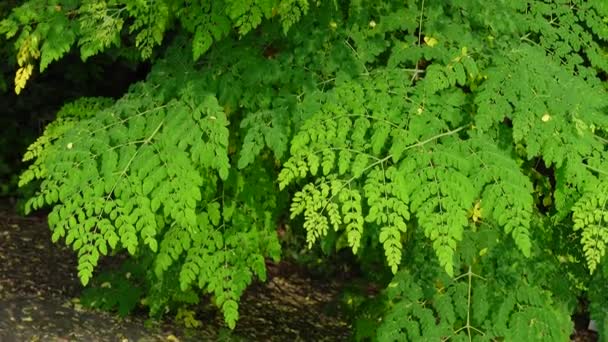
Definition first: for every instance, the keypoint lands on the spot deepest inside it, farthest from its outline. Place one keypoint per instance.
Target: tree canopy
(460, 143)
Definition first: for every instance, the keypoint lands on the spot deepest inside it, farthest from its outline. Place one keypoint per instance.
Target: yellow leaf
(475, 213)
(430, 41)
(22, 55)
(172, 338)
(28, 50)
(23, 74)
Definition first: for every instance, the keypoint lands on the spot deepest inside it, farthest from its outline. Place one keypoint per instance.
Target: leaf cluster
(44, 31)
(463, 142)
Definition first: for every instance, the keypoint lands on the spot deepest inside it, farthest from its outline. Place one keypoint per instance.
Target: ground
(39, 291)
(39, 287)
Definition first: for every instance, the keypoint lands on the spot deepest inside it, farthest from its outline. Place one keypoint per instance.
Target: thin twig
(416, 70)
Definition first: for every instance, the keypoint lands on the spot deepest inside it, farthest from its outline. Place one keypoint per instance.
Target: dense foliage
(463, 142)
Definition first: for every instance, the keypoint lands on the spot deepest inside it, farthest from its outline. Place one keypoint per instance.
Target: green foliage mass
(44, 31)
(465, 140)
(136, 175)
(500, 304)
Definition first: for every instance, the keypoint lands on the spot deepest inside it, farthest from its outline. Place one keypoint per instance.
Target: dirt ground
(38, 285)
(38, 288)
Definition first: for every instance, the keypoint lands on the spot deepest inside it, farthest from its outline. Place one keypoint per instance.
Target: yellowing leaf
(430, 41)
(172, 338)
(476, 212)
(23, 74)
(28, 50)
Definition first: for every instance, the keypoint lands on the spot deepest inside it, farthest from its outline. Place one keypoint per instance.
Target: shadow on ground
(38, 285)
